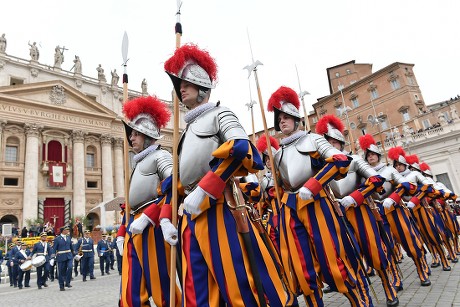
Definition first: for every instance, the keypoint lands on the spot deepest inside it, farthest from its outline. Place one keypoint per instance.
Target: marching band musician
(64, 257)
(310, 233)
(216, 266)
(353, 197)
(396, 217)
(22, 256)
(9, 263)
(110, 254)
(42, 248)
(146, 255)
(86, 245)
(14, 264)
(103, 253)
(76, 259)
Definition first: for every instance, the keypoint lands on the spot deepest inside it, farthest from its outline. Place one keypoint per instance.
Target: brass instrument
(80, 252)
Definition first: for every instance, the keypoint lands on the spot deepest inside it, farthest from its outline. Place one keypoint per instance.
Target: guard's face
(335, 143)
(400, 167)
(286, 123)
(137, 140)
(189, 94)
(372, 158)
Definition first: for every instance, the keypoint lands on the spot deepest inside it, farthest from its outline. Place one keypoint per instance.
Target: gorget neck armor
(138, 157)
(192, 114)
(292, 138)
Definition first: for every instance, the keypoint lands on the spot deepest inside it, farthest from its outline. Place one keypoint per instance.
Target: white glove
(410, 204)
(305, 193)
(348, 201)
(388, 202)
(193, 201)
(120, 243)
(139, 224)
(169, 231)
(51, 262)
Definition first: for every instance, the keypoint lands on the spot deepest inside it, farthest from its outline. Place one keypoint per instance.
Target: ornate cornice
(78, 136)
(106, 139)
(32, 129)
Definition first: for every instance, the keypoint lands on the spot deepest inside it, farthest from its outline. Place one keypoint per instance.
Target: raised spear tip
(250, 68)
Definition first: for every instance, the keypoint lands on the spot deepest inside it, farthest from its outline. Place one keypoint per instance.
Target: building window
(11, 182)
(54, 151)
(90, 157)
(314, 119)
(11, 153)
(355, 102)
(405, 115)
(395, 84)
(337, 74)
(383, 122)
(338, 111)
(353, 126)
(426, 123)
(348, 71)
(91, 184)
(410, 80)
(90, 160)
(374, 94)
(16, 81)
(444, 178)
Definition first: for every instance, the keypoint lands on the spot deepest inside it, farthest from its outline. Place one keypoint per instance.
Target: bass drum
(26, 266)
(38, 261)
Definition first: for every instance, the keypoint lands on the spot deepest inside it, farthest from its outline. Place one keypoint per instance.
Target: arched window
(54, 151)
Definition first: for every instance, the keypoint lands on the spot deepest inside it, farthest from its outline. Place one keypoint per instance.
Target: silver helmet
(194, 65)
(287, 108)
(144, 124)
(284, 100)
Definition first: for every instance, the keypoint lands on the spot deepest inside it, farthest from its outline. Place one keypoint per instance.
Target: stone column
(119, 168)
(30, 196)
(2, 126)
(107, 177)
(78, 168)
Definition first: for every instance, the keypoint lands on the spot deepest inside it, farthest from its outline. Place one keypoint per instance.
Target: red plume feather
(412, 159)
(321, 126)
(424, 166)
(285, 94)
(150, 105)
(366, 141)
(395, 152)
(262, 143)
(191, 52)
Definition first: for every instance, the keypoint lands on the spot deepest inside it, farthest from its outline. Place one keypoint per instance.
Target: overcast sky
(312, 35)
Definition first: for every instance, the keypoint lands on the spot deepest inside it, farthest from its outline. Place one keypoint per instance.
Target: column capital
(119, 142)
(106, 139)
(78, 136)
(32, 129)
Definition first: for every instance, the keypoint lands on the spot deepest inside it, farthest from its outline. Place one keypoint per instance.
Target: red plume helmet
(147, 115)
(366, 141)
(334, 121)
(262, 144)
(397, 154)
(424, 167)
(192, 64)
(411, 159)
(285, 100)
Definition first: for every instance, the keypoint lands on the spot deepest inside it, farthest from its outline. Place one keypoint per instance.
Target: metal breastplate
(144, 181)
(201, 138)
(345, 186)
(294, 166)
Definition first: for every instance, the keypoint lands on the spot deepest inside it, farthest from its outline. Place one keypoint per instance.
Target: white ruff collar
(379, 166)
(191, 115)
(138, 157)
(292, 138)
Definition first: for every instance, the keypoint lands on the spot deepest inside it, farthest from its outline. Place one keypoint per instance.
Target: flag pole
(175, 172)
